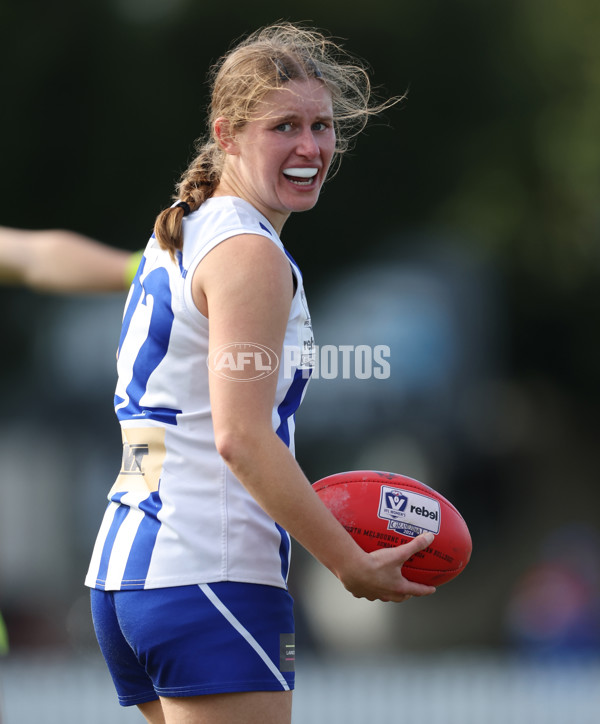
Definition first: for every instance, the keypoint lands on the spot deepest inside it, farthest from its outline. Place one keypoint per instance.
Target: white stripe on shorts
(237, 625)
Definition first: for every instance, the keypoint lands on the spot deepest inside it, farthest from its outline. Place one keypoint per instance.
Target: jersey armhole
(188, 300)
(294, 279)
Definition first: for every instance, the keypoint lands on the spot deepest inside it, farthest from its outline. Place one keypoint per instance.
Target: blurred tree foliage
(496, 144)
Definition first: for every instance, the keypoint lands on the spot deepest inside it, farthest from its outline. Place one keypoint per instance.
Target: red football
(382, 510)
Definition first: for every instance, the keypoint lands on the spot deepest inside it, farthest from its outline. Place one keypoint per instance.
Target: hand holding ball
(384, 510)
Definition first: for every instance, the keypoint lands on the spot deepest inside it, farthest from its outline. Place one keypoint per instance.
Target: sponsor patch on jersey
(143, 457)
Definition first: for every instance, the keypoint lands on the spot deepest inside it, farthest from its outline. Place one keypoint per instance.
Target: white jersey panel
(177, 515)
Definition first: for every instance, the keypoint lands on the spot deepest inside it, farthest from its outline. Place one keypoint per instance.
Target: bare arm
(61, 261)
(249, 301)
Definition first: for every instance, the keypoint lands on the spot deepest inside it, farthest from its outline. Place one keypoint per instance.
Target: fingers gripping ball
(383, 510)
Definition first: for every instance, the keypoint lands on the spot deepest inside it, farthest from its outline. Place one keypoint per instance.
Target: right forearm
(273, 477)
(269, 471)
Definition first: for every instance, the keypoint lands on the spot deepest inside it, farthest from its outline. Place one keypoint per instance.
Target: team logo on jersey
(243, 361)
(407, 512)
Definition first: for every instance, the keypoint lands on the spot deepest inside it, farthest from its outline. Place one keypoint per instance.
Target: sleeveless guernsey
(176, 513)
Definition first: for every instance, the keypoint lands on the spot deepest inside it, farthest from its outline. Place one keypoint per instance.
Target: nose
(307, 144)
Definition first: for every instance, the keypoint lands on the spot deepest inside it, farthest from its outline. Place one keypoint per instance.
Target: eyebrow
(293, 115)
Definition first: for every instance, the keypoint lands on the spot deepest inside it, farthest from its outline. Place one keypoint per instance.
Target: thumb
(417, 544)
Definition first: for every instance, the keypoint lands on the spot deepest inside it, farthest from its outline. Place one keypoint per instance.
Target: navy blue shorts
(191, 640)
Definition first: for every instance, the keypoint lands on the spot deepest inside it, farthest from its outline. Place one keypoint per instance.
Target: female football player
(188, 574)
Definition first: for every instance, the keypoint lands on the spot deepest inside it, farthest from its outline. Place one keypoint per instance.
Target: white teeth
(301, 172)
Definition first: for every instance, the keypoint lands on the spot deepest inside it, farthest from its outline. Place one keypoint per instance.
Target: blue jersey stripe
(284, 551)
(160, 414)
(286, 410)
(290, 403)
(291, 258)
(138, 562)
(133, 301)
(154, 348)
(119, 516)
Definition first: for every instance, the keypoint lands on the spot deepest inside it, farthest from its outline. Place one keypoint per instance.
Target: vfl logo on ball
(245, 361)
(395, 502)
(409, 513)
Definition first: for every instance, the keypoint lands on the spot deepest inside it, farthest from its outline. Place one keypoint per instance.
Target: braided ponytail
(197, 184)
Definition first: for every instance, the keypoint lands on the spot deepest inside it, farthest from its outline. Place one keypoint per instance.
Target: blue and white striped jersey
(177, 515)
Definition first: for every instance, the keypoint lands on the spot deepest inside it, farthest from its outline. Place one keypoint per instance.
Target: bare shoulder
(248, 252)
(246, 264)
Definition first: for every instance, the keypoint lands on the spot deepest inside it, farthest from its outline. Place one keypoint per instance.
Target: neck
(228, 187)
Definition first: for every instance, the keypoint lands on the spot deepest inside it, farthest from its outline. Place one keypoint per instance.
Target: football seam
(434, 570)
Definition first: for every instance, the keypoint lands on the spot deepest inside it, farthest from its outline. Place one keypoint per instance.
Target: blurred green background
(463, 231)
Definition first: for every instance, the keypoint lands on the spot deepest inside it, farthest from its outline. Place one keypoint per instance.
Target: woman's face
(278, 161)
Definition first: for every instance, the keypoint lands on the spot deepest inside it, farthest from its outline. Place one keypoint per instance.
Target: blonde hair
(265, 61)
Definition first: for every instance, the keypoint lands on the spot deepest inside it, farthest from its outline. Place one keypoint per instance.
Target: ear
(225, 136)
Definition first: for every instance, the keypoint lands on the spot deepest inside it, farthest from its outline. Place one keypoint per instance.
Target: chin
(305, 204)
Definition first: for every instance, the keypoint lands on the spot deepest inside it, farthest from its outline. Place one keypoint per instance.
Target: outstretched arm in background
(63, 261)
